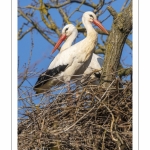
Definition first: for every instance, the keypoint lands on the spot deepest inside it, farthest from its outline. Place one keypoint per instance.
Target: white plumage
(94, 66)
(73, 60)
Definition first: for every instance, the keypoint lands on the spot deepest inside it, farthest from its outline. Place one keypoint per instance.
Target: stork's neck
(91, 33)
(69, 41)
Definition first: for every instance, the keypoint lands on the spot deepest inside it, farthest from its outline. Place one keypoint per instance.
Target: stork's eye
(66, 29)
(91, 16)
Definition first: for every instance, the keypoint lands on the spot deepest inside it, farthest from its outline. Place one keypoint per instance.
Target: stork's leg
(69, 93)
(77, 94)
(68, 87)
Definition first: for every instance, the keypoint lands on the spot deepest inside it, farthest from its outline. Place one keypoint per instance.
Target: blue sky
(42, 48)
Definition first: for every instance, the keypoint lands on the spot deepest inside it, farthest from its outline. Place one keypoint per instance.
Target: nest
(87, 118)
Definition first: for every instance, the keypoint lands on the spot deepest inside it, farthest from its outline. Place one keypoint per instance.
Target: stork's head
(89, 16)
(67, 31)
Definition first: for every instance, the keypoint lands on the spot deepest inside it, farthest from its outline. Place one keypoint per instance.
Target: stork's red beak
(97, 23)
(61, 39)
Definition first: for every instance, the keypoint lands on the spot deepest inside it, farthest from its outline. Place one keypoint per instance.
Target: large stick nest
(93, 118)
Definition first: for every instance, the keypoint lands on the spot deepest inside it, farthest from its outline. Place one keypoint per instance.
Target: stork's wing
(63, 60)
(48, 74)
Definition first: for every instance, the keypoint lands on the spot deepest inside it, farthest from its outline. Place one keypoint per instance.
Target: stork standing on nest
(74, 60)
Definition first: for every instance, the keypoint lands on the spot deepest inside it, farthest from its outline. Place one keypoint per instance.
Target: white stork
(96, 63)
(72, 61)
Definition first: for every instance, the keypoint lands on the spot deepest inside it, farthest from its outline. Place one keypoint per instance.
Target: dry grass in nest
(98, 119)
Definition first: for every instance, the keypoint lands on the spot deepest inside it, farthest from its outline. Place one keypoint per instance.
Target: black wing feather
(48, 74)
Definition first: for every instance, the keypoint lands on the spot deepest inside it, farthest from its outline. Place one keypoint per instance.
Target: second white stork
(72, 61)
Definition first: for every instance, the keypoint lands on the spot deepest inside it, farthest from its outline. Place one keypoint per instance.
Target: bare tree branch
(23, 34)
(124, 72)
(93, 5)
(124, 5)
(129, 43)
(44, 11)
(36, 27)
(112, 12)
(77, 9)
(64, 16)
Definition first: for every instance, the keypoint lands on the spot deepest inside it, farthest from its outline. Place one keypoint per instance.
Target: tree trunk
(122, 26)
